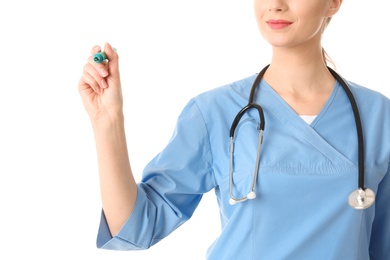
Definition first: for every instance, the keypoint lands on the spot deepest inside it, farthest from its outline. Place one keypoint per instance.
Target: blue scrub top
(305, 177)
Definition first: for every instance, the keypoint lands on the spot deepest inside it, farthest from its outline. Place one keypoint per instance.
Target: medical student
(310, 154)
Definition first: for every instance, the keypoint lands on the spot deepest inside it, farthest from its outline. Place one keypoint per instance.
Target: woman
(309, 159)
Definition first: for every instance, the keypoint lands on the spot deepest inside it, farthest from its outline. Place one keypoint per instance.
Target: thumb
(113, 58)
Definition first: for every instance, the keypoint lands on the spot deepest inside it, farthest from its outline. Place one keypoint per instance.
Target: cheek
(259, 13)
(259, 8)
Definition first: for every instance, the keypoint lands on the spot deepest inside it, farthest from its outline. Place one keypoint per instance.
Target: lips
(278, 24)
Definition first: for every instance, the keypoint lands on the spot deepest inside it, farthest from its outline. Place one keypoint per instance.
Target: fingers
(111, 52)
(113, 58)
(95, 49)
(95, 74)
(93, 79)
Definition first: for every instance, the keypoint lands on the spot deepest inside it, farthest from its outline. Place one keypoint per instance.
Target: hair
(327, 59)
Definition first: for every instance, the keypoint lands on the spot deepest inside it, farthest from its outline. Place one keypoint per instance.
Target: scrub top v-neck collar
(289, 113)
(277, 106)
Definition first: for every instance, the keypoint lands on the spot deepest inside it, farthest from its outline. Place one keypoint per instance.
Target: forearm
(117, 184)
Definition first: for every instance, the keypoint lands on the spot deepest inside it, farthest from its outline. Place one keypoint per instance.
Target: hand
(100, 86)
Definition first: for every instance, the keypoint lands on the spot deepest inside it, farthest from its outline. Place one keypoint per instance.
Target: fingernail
(103, 83)
(103, 72)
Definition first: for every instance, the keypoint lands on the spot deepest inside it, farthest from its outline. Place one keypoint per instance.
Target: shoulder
(235, 90)
(368, 96)
(220, 100)
(373, 105)
(220, 104)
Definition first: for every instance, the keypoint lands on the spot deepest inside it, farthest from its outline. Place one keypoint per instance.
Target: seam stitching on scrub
(252, 233)
(208, 141)
(241, 89)
(360, 232)
(319, 171)
(129, 242)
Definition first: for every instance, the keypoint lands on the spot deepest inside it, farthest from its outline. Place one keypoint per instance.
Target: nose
(275, 9)
(276, 5)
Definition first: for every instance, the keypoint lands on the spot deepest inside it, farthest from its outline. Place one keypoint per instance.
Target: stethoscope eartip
(361, 198)
(251, 195)
(232, 201)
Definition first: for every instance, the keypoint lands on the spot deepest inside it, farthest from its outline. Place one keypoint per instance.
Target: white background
(169, 51)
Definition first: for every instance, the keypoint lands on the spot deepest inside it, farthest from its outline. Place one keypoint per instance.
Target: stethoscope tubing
(358, 123)
(361, 198)
(355, 110)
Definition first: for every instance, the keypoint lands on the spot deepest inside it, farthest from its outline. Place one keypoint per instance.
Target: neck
(302, 79)
(299, 71)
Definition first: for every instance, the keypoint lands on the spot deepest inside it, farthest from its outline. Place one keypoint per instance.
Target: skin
(100, 90)
(297, 72)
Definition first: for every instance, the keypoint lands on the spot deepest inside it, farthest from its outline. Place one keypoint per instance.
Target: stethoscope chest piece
(361, 199)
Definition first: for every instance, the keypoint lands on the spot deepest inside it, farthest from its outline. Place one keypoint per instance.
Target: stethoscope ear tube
(256, 83)
(360, 198)
(242, 112)
(359, 129)
(251, 195)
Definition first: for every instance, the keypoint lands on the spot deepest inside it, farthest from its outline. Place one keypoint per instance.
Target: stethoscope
(361, 198)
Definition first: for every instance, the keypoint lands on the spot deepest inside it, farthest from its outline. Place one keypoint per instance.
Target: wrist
(107, 121)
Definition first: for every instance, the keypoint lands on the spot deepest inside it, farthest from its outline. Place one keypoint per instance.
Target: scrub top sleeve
(133, 235)
(171, 188)
(380, 237)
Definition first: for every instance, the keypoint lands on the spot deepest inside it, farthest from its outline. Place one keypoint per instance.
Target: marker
(100, 57)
